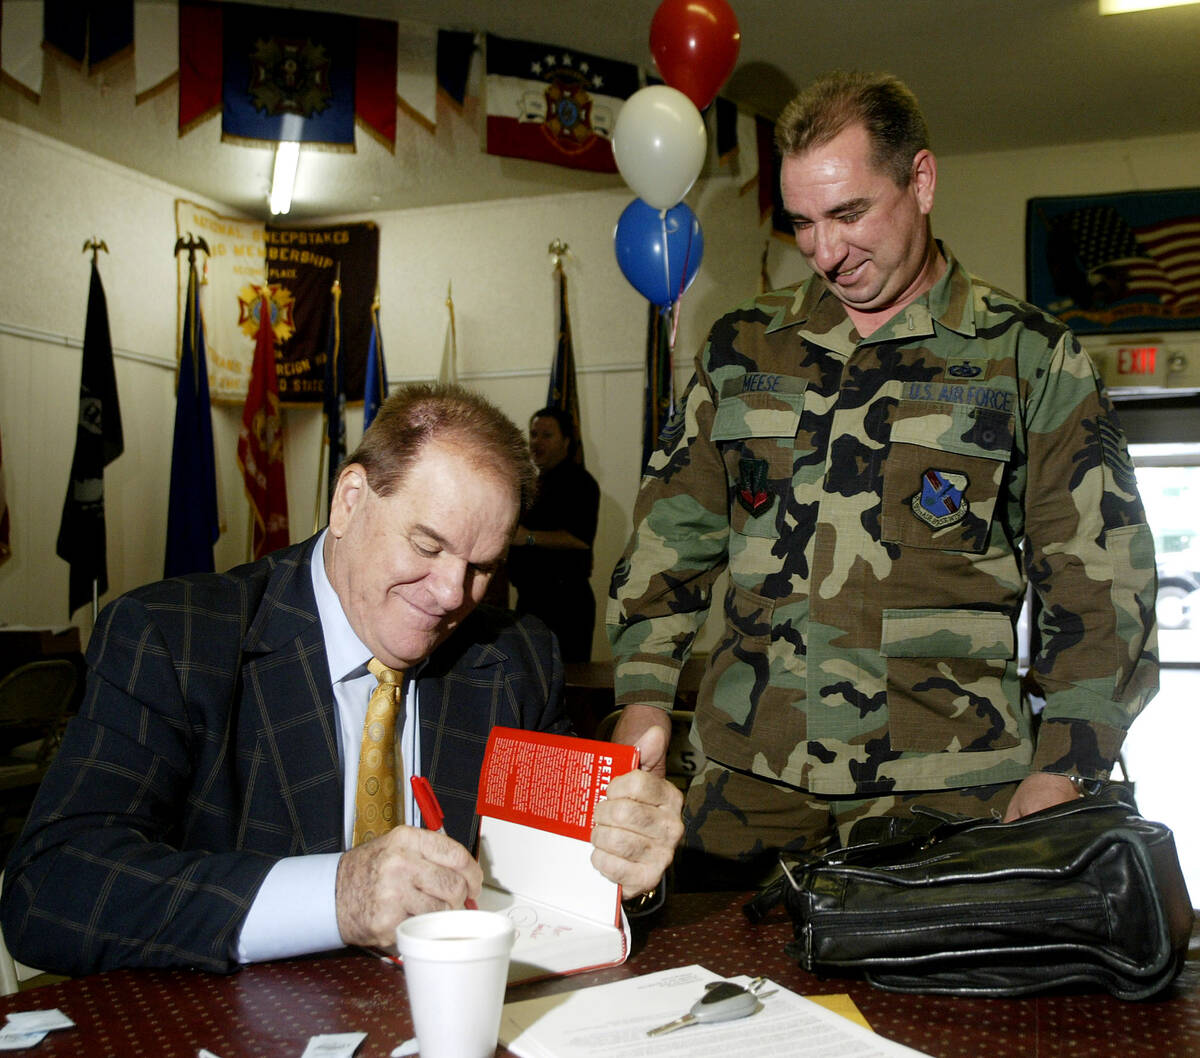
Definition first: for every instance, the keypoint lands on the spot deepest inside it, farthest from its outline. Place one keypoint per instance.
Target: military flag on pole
(660, 379)
(335, 393)
(449, 370)
(98, 441)
(563, 392)
(260, 443)
(375, 385)
(192, 521)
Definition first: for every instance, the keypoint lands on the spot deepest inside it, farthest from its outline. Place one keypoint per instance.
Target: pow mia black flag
(98, 441)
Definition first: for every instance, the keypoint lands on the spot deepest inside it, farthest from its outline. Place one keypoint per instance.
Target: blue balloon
(659, 253)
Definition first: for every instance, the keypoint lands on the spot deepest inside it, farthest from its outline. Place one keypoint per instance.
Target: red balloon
(695, 45)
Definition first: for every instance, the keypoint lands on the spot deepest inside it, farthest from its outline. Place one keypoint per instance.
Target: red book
(537, 798)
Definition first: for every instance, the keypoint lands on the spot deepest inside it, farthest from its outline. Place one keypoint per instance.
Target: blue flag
(375, 385)
(192, 522)
(99, 439)
(335, 394)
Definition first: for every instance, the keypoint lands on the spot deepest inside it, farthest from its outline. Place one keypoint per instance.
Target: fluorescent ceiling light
(283, 182)
(1121, 7)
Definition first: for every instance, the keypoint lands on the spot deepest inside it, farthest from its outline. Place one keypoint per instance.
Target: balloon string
(666, 254)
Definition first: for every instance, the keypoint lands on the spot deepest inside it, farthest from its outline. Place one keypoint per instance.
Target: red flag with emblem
(260, 443)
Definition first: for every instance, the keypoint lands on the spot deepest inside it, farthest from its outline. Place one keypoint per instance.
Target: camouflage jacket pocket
(951, 680)
(755, 432)
(942, 474)
(748, 614)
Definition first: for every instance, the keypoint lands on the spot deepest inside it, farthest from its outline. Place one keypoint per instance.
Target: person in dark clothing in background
(551, 555)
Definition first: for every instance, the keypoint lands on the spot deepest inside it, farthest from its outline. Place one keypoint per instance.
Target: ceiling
(991, 75)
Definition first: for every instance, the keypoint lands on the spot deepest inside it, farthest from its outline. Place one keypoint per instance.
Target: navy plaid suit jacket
(206, 749)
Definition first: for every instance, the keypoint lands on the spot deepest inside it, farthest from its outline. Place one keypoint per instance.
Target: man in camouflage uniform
(884, 458)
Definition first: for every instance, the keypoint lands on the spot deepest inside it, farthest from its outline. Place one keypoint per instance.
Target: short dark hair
(881, 103)
(566, 423)
(415, 415)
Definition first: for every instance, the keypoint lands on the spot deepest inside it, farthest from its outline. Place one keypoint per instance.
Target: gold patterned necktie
(377, 808)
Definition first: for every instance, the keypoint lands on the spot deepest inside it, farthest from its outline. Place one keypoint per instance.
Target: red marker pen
(427, 802)
(431, 814)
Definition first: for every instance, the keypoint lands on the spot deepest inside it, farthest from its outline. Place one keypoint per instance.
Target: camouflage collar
(949, 302)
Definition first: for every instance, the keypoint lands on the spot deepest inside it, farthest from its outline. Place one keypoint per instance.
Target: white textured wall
(496, 257)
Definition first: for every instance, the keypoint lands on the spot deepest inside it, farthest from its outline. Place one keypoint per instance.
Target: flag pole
(331, 374)
(321, 472)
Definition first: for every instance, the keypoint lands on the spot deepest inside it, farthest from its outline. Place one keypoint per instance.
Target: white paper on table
(40, 1020)
(333, 1045)
(611, 1021)
(15, 1040)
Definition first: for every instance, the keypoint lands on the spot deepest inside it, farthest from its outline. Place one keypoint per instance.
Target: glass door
(1159, 754)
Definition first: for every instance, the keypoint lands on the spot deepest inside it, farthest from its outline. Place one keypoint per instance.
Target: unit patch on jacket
(941, 501)
(752, 486)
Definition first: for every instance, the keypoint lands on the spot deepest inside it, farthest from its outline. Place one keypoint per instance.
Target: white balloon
(659, 144)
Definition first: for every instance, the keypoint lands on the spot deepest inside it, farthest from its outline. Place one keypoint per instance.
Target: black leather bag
(1085, 895)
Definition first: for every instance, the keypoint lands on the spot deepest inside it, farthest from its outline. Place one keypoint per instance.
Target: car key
(722, 1001)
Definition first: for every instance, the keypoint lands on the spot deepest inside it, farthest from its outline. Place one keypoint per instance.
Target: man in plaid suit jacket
(196, 812)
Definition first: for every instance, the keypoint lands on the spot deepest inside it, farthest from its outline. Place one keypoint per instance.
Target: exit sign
(1137, 360)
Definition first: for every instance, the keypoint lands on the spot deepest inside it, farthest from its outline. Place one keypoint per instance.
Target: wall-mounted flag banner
(375, 78)
(280, 73)
(200, 55)
(455, 49)
(1116, 263)
(416, 73)
(552, 104)
(156, 57)
(288, 75)
(22, 59)
(97, 32)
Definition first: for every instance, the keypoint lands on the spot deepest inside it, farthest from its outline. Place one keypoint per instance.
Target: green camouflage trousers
(743, 818)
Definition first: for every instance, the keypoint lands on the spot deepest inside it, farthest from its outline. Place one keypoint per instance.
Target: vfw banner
(301, 266)
(235, 266)
(296, 267)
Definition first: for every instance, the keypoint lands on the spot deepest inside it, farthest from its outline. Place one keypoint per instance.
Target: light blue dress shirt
(294, 912)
